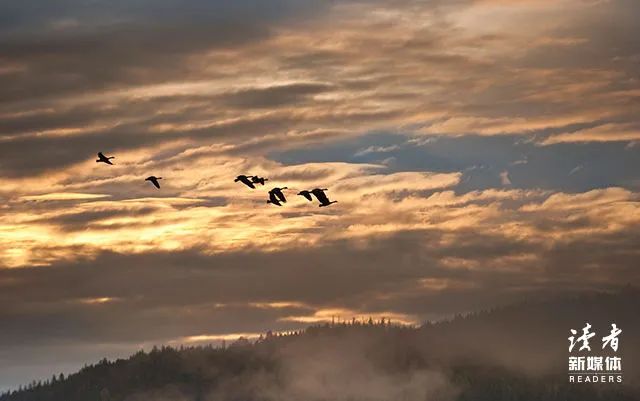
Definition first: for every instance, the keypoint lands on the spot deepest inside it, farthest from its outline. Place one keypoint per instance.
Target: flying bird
(273, 199)
(246, 180)
(258, 180)
(306, 194)
(104, 159)
(154, 180)
(322, 197)
(279, 194)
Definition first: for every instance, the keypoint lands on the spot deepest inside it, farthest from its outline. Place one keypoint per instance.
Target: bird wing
(155, 182)
(274, 199)
(248, 183)
(100, 155)
(280, 195)
(320, 195)
(306, 194)
(108, 161)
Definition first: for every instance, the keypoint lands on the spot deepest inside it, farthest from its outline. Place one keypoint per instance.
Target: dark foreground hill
(514, 353)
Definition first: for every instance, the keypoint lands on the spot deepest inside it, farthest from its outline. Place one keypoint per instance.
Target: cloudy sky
(482, 152)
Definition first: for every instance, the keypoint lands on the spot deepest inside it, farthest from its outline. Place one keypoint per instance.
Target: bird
(104, 159)
(322, 197)
(278, 193)
(306, 194)
(258, 180)
(154, 180)
(273, 199)
(245, 180)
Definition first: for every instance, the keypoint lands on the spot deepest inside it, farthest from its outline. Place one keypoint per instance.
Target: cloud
(628, 132)
(196, 208)
(375, 149)
(504, 178)
(421, 258)
(445, 248)
(227, 74)
(62, 196)
(274, 96)
(576, 169)
(475, 250)
(199, 92)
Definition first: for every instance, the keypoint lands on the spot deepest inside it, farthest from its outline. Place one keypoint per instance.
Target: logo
(603, 367)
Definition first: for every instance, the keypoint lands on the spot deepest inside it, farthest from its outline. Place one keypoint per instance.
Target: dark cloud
(33, 155)
(107, 45)
(76, 65)
(37, 154)
(83, 220)
(167, 295)
(170, 42)
(607, 30)
(253, 83)
(30, 15)
(274, 96)
(163, 296)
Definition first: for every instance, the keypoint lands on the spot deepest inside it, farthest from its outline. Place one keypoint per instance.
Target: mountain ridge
(516, 351)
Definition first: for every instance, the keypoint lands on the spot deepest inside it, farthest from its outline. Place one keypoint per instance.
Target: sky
(481, 152)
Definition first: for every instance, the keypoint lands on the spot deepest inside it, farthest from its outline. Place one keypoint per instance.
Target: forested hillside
(513, 353)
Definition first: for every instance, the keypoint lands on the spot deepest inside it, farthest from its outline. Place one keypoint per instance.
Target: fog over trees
(517, 352)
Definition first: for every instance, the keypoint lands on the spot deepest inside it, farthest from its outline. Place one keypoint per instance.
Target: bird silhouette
(104, 159)
(246, 180)
(154, 180)
(258, 180)
(279, 194)
(273, 199)
(306, 194)
(322, 197)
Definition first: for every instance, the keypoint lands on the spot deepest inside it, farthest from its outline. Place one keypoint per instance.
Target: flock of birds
(276, 195)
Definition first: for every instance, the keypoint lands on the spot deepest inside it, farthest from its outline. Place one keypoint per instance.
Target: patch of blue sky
(513, 161)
